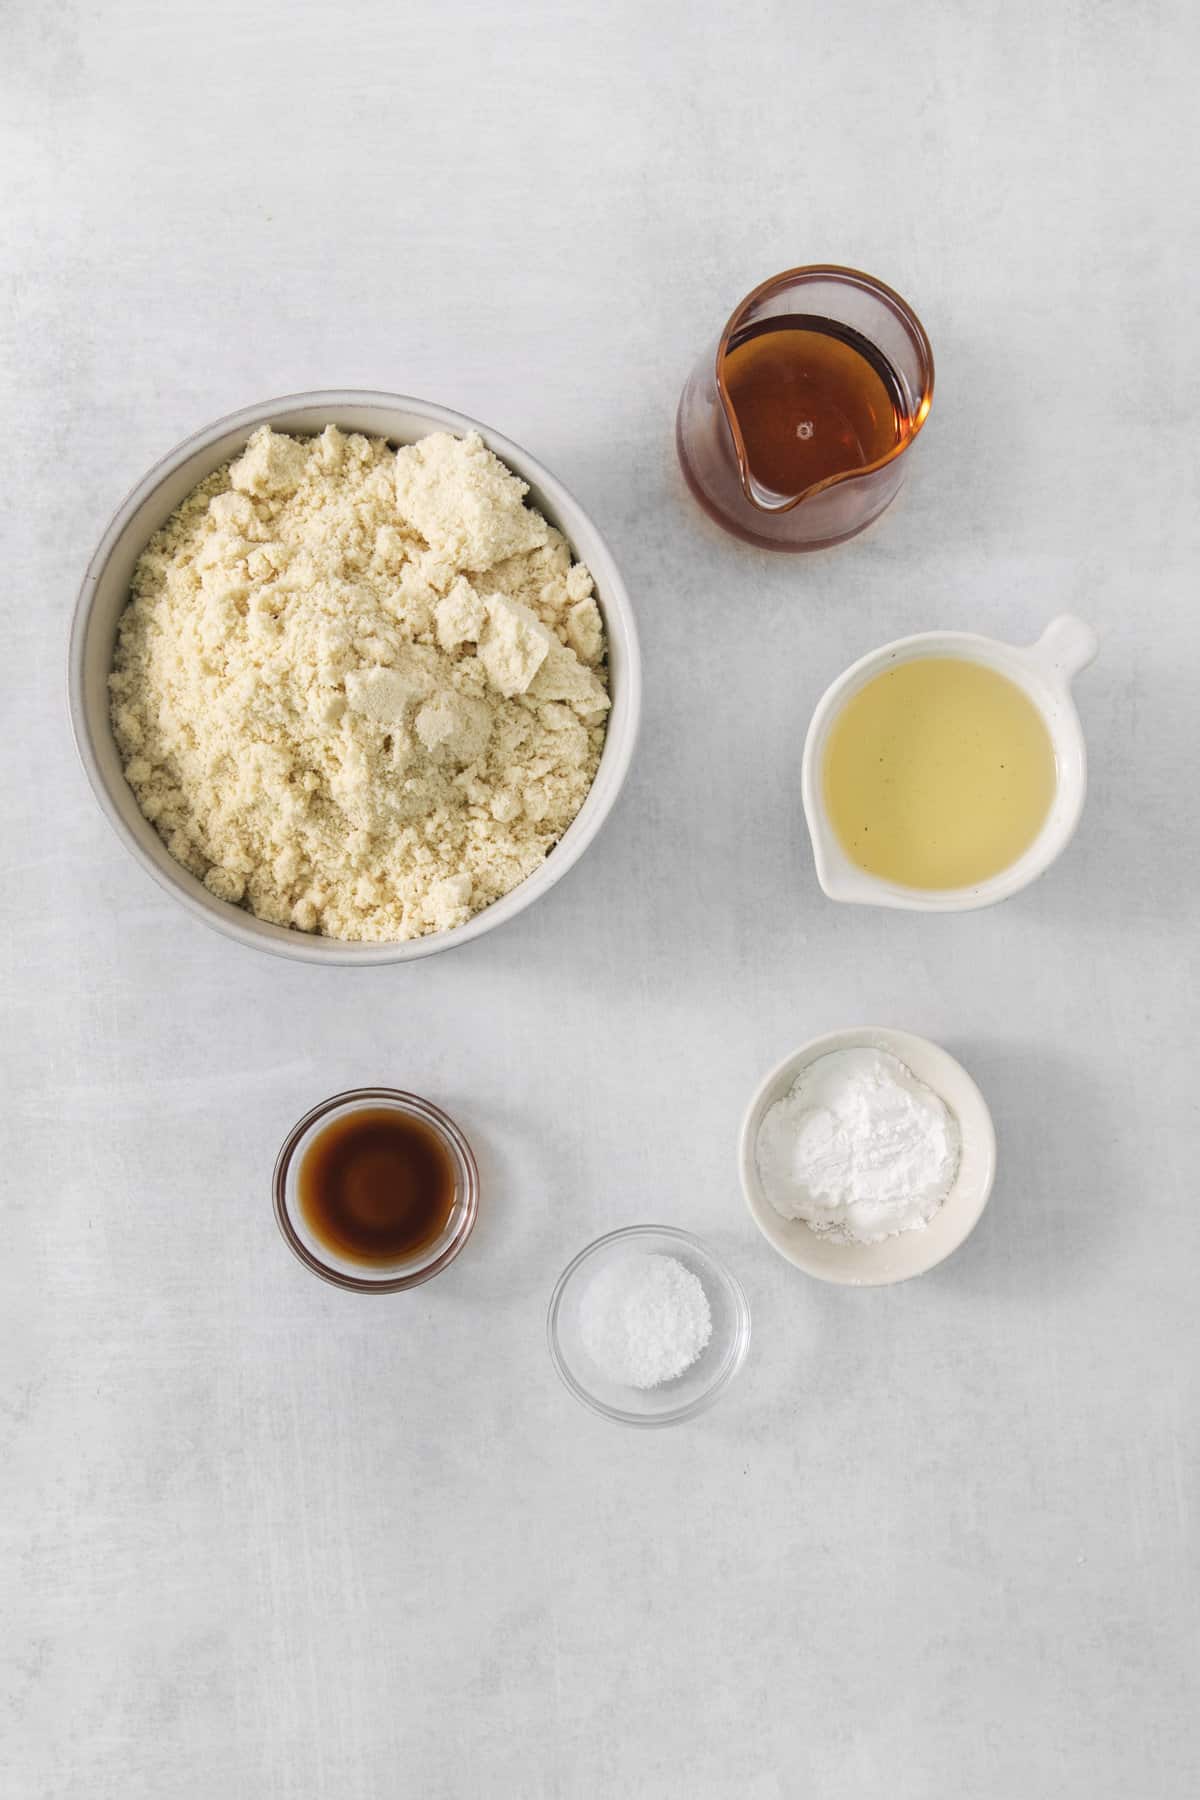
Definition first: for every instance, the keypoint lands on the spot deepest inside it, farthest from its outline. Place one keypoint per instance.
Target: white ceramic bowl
(105, 590)
(909, 1252)
(1043, 671)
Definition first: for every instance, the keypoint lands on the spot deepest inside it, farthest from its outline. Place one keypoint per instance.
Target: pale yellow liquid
(938, 773)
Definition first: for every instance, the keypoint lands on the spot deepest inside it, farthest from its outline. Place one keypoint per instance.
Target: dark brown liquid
(377, 1186)
(812, 398)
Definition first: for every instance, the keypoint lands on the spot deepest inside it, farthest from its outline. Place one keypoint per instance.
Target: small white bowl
(909, 1252)
(105, 591)
(1044, 671)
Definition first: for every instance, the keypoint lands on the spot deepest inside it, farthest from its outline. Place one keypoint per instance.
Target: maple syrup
(812, 398)
(377, 1186)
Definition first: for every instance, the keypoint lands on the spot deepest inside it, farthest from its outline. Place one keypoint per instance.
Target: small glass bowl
(697, 1387)
(386, 1278)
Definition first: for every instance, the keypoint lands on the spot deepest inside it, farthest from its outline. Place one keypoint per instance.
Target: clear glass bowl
(697, 1387)
(389, 1278)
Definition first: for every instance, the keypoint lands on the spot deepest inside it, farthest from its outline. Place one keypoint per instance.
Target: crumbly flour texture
(360, 691)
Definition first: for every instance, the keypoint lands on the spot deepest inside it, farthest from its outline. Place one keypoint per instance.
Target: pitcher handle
(1066, 646)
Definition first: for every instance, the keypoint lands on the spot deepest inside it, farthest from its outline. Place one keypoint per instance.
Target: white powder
(858, 1147)
(644, 1319)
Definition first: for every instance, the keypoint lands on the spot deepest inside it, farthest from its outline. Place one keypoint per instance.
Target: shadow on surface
(1059, 1151)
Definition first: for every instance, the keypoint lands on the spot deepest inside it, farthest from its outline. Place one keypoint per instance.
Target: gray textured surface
(263, 1539)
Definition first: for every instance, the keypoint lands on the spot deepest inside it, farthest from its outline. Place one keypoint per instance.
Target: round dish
(105, 590)
(343, 1272)
(698, 1386)
(909, 1252)
(1043, 671)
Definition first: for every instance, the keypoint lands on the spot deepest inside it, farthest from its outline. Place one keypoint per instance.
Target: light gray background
(265, 1539)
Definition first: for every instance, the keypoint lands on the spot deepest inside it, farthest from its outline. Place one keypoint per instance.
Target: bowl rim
(790, 1244)
(418, 1107)
(733, 1361)
(1044, 668)
(260, 934)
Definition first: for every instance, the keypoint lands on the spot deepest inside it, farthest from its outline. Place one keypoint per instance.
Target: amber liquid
(812, 399)
(377, 1186)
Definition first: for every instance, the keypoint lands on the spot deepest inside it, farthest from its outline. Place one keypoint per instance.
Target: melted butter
(939, 773)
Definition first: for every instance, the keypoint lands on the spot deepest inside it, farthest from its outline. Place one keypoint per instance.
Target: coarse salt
(644, 1319)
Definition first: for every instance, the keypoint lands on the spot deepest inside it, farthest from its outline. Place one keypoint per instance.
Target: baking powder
(859, 1147)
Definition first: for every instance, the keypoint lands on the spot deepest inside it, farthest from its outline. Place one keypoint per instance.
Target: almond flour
(361, 692)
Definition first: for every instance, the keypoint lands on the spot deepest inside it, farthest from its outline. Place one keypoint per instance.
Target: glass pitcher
(743, 428)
